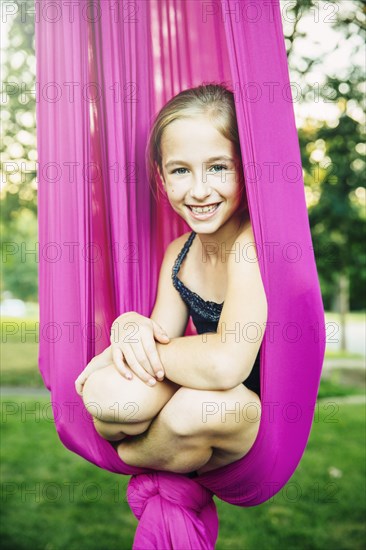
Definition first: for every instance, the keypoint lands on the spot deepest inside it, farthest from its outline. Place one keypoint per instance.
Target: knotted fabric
(174, 511)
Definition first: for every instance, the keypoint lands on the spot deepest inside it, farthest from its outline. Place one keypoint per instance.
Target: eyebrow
(211, 159)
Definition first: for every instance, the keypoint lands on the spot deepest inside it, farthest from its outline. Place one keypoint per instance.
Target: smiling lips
(202, 205)
(201, 213)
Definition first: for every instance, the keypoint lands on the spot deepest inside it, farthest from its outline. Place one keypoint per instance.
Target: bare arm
(220, 361)
(191, 361)
(187, 360)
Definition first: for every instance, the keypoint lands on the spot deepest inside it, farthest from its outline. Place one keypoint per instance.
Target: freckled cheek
(175, 192)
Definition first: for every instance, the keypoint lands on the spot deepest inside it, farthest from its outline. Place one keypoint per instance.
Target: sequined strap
(183, 252)
(206, 309)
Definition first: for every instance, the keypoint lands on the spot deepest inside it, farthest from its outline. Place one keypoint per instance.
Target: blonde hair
(214, 100)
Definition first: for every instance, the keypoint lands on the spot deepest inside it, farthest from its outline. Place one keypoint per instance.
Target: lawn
(19, 353)
(53, 499)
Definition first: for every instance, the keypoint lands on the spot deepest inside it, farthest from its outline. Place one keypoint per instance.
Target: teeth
(203, 210)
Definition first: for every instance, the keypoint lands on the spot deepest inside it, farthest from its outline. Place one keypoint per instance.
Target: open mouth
(204, 212)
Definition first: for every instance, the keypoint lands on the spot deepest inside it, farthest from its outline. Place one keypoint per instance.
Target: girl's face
(200, 168)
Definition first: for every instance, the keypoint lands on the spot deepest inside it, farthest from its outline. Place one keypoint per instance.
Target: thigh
(227, 420)
(239, 425)
(110, 397)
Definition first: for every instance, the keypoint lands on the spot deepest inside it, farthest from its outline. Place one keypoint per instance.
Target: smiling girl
(203, 411)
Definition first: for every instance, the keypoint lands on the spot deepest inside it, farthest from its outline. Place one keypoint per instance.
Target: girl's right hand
(133, 344)
(100, 361)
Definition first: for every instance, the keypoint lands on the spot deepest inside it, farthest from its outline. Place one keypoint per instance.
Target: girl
(205, 412)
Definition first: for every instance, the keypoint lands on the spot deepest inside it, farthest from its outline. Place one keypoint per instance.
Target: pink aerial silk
(104, 69)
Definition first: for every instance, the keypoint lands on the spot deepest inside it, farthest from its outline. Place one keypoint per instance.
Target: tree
(18, 224)
(333, 157)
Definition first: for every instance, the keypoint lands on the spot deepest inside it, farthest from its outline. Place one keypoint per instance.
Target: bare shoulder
(245, 306)
(246, 234)
(173, 249)
(176, 245)
(244, 247)
(170, 311)
(244, 275)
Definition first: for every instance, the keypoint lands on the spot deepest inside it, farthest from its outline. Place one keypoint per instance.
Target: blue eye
(219, 166)
(176, 170)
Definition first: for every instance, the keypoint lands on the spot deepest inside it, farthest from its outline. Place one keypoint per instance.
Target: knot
(175, 511)
(175, 488)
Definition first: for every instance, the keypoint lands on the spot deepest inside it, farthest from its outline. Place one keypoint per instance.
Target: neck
(216, 246)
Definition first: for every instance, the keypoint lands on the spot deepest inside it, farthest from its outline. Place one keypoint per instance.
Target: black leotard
(206, 314)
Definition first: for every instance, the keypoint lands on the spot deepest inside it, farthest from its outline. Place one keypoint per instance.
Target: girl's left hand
(100, 361)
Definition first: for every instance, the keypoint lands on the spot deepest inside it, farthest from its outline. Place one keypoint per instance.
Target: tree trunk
(343, 307)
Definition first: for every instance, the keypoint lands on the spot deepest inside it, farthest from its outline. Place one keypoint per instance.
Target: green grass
(19, 353)
(328, 512)
(41, 512)
(329, 388)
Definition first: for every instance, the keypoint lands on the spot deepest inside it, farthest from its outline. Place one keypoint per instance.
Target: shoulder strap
(183, 252)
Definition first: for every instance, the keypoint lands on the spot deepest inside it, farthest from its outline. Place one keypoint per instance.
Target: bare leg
(166, 422)
(119, 406)
(180, 440)
(160, 448)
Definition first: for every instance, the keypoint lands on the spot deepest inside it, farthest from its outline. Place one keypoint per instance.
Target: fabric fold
(174, 512)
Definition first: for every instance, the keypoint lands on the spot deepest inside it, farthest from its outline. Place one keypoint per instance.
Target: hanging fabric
(104, 70)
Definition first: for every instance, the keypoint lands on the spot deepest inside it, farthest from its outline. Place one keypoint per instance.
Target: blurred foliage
(337, 219)
(333, 158)
(18, 223)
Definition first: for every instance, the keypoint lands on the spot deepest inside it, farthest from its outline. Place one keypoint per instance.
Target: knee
(94, 394)
(105, 398)
(182, 415)
(108, 396)
(251, 407)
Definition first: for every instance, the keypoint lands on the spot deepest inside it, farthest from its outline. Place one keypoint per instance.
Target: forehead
(194, 137)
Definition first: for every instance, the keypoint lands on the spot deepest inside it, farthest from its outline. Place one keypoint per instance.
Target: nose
(200, 189)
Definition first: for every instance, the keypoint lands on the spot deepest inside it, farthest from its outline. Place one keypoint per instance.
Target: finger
(136, 367)
(154, 358)
(118, 362)
(79, 384)
(150, 360)
(139, 351)
(83, 377)
(141, 356)
(162, 338)
(99, 361)
(159, 333)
